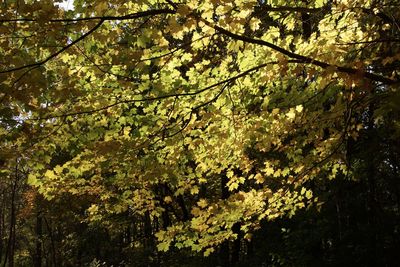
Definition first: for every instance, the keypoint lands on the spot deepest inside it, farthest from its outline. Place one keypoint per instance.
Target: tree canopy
(204, 119)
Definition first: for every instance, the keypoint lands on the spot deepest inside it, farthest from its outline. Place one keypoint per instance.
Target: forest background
(199, 133)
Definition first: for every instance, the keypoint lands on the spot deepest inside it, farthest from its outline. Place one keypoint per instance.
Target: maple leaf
(139, 105)
(291, 114)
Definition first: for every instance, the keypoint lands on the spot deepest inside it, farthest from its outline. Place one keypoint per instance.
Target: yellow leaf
(303, 191)
(269, 170)
(208, 251)
(319, 3)
(164, 246)
(233, 186)
(168, 199)
(195, 211)
(255, 24)
(202, 203)
(259, 178)
(299, 169)
(299, 108)
(93, 209)
(194, 190)
(66, 57)
(229, 174)
(58, 169)
(291, 114)
(275, 111)
(32, 179)
(50, 175)
(277, 173)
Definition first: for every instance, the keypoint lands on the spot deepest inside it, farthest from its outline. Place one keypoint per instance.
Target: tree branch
(301, 58)
(231, 79)
(102, 20)
(268, 8)
(39, 63)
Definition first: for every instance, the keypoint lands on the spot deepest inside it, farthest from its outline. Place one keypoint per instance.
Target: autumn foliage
(199, 128)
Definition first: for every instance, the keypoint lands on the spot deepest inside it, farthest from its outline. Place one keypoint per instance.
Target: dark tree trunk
(371, 194)
(185, 213)
(249, 249)
(224, 252)
(148, 231)
(53, 246)
(2, 232)
(39, 236)
(10, 250)
(235, 254)
(306, 23)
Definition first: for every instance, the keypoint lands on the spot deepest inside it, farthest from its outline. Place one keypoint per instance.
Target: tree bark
(9, 255)
(224, 252)
(235, 254)
(53, 247)
(2, 232)
(371, 194)
(38, 243)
